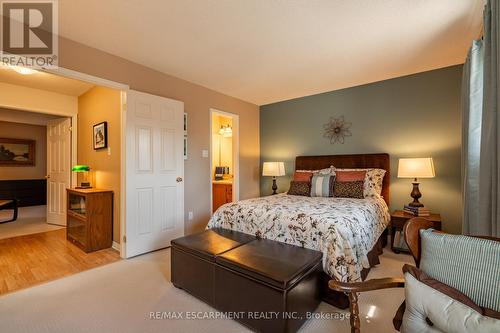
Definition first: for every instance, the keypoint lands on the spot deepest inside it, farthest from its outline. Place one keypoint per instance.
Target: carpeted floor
(31, 220)
(120, 297)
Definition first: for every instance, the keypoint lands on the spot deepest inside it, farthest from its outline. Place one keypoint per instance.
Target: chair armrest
(368, 285)
(352, 290)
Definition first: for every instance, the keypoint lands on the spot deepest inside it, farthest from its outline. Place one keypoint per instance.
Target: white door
(154, 172)
(58, 169)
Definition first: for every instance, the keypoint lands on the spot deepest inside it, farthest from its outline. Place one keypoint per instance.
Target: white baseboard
(116, 246)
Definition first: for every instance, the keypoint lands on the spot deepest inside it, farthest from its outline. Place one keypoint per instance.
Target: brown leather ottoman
(271, 285)
(193, 259)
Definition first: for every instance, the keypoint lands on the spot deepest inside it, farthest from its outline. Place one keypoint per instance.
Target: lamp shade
(274, 169)
(80, 168)
(416, 168)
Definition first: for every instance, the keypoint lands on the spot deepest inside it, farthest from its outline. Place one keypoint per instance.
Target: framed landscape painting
(17, 152)
(100, 135)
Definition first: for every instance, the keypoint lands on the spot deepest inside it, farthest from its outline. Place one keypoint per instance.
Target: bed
(347, 231)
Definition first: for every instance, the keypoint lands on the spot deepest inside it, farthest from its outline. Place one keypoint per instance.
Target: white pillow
(326, 171)
(446, 313)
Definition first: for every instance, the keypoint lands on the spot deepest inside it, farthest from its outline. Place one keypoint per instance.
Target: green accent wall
(411, 116)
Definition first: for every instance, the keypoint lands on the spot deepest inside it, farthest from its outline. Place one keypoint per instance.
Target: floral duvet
(345, 230)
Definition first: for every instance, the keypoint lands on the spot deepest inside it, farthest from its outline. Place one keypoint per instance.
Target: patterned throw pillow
(304, 176)
(373, 182)
(374, 178)
(349, 190)
(300, 188)
(322, 185)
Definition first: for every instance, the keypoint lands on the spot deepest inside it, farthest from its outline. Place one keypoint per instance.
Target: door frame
(236, 154)
(123, 88)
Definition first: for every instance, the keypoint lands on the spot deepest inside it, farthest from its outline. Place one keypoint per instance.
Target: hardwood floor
(32, 259)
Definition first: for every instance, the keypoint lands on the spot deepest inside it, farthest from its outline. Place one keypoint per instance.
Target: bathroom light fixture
(226, 131)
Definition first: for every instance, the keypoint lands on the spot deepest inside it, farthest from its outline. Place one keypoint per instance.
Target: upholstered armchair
(455, 286)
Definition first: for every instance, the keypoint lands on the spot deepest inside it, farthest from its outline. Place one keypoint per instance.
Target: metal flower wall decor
(337, 129)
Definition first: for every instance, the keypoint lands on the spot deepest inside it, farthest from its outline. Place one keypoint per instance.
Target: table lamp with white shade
(416, 168)
(273, 169)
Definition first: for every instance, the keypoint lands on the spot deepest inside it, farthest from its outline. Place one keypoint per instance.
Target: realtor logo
(29, 35)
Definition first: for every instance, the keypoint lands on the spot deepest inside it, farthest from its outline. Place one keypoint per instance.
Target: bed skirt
(339, 299)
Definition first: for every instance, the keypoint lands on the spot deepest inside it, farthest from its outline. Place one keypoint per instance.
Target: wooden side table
(90, 218)
(398, 220)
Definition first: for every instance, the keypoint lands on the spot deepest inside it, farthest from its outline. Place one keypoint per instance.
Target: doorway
(63, 112)
(224, 158)
(25, 139)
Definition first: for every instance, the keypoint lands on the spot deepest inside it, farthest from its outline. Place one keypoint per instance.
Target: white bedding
(345, 230)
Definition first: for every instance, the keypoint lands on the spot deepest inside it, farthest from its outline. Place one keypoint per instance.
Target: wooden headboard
(378, 161)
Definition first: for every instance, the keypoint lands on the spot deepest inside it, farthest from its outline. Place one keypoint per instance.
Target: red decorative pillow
(302, 176)
(350, 176)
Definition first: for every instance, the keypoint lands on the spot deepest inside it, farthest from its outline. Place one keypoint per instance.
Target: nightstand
(398, 220)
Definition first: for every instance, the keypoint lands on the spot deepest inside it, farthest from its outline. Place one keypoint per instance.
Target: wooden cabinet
(90, 218)
(222, 193)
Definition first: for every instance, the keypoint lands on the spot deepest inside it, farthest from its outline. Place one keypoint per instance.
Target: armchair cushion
(430, 310)
(470, 265)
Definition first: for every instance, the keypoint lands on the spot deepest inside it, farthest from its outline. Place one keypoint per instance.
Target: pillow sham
(349, 189)
(300, 188)
(302, 176)
(326, 171)
(374, 178)
(322, 185)
(350, 176)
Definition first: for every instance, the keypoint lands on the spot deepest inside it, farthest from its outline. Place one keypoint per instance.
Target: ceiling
(25, 117)
(263, 51)
(44, 81)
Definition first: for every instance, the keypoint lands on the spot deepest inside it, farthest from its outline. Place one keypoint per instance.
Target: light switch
(204, 153)
(190, 215)
(109, 151)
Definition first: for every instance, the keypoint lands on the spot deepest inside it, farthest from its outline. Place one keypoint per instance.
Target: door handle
(179, 179)
(47, 176)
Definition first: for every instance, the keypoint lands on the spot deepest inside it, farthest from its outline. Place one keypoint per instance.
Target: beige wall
(31, 132)
(197, 100)
(95, 106)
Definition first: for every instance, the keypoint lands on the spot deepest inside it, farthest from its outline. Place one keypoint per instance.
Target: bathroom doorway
(224, 158)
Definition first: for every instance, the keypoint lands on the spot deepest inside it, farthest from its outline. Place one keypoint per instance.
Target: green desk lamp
(83, 176)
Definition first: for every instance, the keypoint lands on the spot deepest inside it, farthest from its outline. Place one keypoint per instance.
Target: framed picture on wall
(100, 135)
(17, 152)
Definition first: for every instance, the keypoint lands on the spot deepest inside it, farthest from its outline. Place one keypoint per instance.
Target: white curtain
(489, 171)
(481, 130)
(472, 108)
